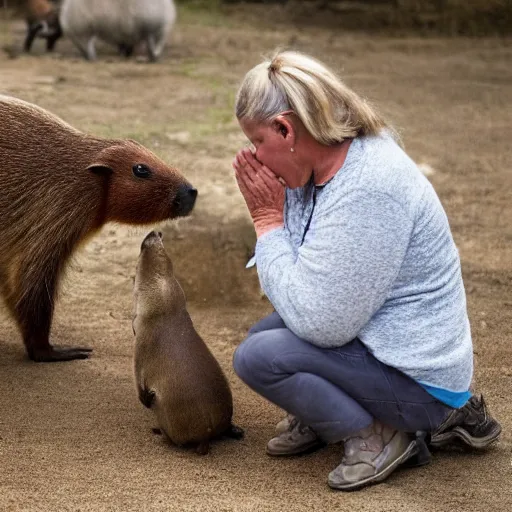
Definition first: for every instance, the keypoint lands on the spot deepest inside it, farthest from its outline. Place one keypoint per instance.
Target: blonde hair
(329, 110)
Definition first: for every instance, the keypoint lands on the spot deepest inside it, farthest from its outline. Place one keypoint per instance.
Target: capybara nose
(185, 200)
(150, 238)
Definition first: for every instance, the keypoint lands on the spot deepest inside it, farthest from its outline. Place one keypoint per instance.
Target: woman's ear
(285, 128)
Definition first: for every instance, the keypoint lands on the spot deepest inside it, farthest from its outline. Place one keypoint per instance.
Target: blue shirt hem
(455, 399)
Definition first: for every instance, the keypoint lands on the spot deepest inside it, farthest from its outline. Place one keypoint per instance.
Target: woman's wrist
(265, 225)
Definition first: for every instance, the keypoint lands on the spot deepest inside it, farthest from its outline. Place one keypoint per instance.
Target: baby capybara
(59, 187)
(175, 373)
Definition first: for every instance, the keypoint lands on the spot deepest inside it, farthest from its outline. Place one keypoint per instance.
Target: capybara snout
(185, 200)
(153, 237)
(135, 176)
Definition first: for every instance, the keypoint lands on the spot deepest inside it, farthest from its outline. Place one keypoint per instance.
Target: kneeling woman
(370, 341)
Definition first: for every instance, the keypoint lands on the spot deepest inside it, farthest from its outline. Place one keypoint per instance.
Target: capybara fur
(42, 17)
(175, 373)
(59, 187)
(123, 23)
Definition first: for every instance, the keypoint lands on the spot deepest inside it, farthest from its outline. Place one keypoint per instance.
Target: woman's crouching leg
(284, 369)
(298, 377)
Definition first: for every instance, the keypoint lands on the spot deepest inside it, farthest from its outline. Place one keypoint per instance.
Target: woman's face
(272, 144)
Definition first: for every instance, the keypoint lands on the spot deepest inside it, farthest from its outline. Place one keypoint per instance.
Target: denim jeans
(335, 391)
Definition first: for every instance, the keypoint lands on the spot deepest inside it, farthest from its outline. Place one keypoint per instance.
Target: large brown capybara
(175, 373)
(59, 187)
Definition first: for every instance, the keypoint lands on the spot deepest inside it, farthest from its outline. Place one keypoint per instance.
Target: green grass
(203, 12)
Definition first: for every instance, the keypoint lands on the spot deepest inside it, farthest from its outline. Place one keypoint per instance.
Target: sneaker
(371, 456)
(296, 439)
(284, 424)
(472, 424)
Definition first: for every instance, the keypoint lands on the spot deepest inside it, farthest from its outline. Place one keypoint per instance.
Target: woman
(370, 341)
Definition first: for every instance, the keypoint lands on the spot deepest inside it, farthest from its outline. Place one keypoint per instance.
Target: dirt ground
(73, 435)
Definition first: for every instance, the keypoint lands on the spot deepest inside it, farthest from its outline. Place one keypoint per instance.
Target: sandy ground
(74, 437)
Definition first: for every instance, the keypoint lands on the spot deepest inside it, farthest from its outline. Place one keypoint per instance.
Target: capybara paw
(203, 448)
(54, 354)
(235, 432)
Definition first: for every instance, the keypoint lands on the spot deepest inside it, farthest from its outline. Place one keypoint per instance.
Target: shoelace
(478, 408)
(296, 424)
(293, 424)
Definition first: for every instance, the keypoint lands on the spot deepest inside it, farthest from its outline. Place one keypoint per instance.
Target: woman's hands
(263, 192)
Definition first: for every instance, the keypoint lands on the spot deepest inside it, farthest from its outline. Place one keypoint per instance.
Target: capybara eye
(141, 171)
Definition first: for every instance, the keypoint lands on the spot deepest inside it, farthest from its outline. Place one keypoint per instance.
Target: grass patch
(203, 12)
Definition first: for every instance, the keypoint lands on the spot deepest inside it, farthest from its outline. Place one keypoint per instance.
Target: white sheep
(124, 23)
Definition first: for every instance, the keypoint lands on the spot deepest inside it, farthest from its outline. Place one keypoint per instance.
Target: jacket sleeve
(343, 272)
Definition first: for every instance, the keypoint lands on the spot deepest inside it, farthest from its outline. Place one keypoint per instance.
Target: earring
(292, 150)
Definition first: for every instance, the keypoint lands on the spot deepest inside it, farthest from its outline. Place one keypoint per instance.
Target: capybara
(175, 373)
(124, 23)
(59, 187)
(42, 17)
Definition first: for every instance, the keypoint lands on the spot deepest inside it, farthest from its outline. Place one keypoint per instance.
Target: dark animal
(42, 17)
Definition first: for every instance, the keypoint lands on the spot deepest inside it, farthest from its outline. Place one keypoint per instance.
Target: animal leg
(32, 30)
(34, 313)
(154, 48)
(87, 49)
(146, 397)
(234, 432)
(161, 41)
(91, 50)
(50, 42)
(203, 447)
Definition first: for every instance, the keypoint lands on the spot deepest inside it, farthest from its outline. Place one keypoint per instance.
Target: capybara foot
(53, 354)
(203, 447)
(156, 431)
(235, 432)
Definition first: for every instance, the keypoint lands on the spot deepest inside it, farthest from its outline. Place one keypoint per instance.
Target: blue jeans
(336, 391)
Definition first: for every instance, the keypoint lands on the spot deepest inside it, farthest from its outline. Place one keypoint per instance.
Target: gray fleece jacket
(370, 255)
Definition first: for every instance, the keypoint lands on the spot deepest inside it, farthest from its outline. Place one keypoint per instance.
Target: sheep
(124, 23)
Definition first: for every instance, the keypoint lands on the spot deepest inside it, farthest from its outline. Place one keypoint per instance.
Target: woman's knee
(272, 321)
(253, 357)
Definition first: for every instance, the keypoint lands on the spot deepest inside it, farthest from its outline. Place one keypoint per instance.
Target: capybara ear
(99, 168)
